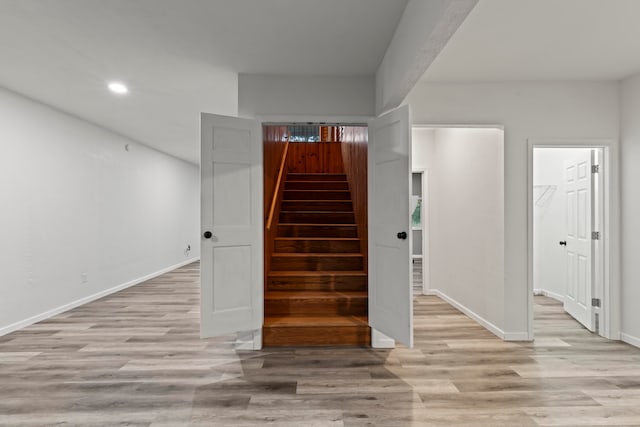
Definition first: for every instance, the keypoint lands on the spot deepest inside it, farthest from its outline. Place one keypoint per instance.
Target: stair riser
(317, 246)
(316, 195)
(317, 206)
(273, 336)
(316, 177)
(340, 284)
(317, 231)
(333, 306)
(317, 218)
(316, 185)
(314, 263)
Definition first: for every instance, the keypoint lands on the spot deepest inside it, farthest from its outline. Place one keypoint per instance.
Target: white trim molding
(77, 303)
(249, 340)
(609, 290)
(380, 340)
(549, 294)
(630, 339)
(506, 336)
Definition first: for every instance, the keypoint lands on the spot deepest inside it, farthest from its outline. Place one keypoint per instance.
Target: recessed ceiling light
(118, 88)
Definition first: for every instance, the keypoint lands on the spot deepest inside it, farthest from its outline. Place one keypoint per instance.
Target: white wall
(466, 205)
(549, 221)
(546, 110)
(75, 201)
(422, 145)
(264, 95)
(630, 209)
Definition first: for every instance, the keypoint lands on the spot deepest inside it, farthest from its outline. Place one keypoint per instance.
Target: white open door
(231, 219)
(579, 243)
(389, 170)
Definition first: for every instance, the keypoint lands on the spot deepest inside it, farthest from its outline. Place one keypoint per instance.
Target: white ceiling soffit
(180, 57)
(543, 40)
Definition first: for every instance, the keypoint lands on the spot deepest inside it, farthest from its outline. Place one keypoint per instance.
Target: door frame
(608, 290)
(378, 340)
(424, 218)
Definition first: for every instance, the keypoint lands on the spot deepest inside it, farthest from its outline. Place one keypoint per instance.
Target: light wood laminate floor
(135, 358)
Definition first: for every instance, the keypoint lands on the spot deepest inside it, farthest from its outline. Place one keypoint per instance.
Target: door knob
(207, 234)
(402, 235)
(563, 243)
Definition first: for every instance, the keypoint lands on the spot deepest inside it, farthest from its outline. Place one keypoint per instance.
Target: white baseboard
(549, 294)
(249, 340)
(507, 336)
(516, 336)
(380, 340)
(77, 303)
(630, 339)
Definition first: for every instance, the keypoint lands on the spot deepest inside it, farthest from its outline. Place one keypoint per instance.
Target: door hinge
(595, 235)
(595, 168)
(595, 302)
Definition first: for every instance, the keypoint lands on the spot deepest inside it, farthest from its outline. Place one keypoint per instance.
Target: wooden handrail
(278, 183)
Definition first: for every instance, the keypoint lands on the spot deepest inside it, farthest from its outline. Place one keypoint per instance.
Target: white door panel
(579, 245)
(390, 297)
(231, 210)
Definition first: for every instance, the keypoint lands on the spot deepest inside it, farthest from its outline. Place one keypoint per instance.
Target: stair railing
(278, 184)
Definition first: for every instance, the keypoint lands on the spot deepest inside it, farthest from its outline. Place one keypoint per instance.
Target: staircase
(316, 292)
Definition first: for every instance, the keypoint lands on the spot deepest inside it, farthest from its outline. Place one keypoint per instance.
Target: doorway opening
(569, 236)
(419, 229)
(233, 222)
(315, 257)
(460, 170)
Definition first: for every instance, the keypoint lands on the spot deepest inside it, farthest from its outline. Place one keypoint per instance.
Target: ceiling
(179, 57)
(543, 40)
(182, 57)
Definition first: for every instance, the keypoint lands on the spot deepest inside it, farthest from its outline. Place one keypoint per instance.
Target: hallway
(136, 358)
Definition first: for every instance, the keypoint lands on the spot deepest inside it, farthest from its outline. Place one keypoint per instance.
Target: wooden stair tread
(317, 281)
(322, 176)
(306, 182)
(317, 217)
(314, 294)
(313, 200)
(316, 212)
(317, 230)
(319, 238)
(316, 273)
(319, 254)
(293, 181)
(297, 224)
(319, 191)
(316, 185)
(323, 195)
(314, 321)
(315, 303)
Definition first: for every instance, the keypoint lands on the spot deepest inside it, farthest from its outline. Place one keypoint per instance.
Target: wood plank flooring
(135, 358)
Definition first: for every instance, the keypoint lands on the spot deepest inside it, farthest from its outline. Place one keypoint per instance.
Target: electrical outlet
(187, 250)
(84, 278)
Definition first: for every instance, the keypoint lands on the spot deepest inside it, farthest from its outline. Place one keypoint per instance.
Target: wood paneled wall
(315, 157)
(346, 153)
(272, 155)
(354, 155)
(273, 150)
